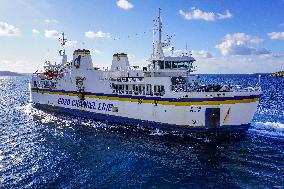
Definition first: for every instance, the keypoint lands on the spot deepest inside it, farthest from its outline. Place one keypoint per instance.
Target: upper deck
(165, 76)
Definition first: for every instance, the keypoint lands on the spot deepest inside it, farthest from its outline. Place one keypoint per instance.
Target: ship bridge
(169, 66)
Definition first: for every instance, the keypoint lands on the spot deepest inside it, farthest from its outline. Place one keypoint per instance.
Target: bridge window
(161, 64)
(174, 65)
(158, 64)
(185, 64)
(167, 65)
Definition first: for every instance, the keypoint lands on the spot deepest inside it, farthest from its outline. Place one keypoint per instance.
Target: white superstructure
(163, 94)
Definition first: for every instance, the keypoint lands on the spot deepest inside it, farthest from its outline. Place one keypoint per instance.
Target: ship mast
(63, 41)
(158, 47)
(160, 27)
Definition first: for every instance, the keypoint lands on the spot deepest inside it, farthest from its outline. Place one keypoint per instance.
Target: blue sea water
(40, 149)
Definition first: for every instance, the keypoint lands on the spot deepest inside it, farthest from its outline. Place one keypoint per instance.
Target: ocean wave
(158, 132)
(276, 125)
(269, 129)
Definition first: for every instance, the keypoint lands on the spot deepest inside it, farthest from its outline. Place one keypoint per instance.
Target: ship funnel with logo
(120, 62)
(82, 59)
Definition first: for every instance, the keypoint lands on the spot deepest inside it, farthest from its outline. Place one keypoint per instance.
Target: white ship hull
(232, 113)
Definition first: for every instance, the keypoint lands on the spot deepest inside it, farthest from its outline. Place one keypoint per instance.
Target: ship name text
(85, 104)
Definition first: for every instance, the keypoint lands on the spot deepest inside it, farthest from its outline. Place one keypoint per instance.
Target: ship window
(185, 64)
(161, 64)
(132, 89)
(158, 64)
(128, 89)
(174, 64)
(167, 65)
(148, 89)
(154, 64)
(143, 91)
(120, 89)
(182, 65)
(47, 84)
(159, 90)
(135, 89)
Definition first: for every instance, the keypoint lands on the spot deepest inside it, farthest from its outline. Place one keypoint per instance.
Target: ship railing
(212, 88)
(138, 93)
(124, 79)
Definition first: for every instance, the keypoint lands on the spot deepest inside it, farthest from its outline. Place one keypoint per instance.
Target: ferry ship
(165, 94)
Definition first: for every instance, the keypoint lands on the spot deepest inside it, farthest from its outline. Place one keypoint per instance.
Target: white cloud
(71, 44)
(97, 51)
(272, 55)
(201, 54)
(168, 51)
(137, 61)
(238, 44)
(50, 21)
(124, 4)
(195, 54)
(8, 30)
(52, 34)
(239, 64)
(242, 37)
(197, 14)
(262, 51)
(131, 57)
(276, 35)
(226, 15)
(35, 31)
(99, 34)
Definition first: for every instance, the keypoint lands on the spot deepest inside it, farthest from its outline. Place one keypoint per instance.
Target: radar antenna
(63, 41)
(62, 53)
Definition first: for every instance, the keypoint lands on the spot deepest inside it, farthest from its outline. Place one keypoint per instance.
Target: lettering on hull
(85, 104)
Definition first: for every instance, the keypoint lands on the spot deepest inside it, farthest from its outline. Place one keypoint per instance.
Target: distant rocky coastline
(8, 73)
(278, 74)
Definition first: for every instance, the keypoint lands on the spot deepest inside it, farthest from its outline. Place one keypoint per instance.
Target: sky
(224, 36)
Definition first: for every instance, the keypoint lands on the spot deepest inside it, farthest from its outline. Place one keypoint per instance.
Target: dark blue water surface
(41, 149)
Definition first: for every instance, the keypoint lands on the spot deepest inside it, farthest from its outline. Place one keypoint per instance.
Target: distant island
(8, 73)
(278, 74)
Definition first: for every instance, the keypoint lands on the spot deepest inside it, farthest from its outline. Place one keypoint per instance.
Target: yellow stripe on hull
(142, 101)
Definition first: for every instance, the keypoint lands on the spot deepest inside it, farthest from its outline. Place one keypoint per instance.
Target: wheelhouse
(172, 63)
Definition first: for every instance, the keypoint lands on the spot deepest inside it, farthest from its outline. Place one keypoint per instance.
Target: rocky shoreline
(278, 74)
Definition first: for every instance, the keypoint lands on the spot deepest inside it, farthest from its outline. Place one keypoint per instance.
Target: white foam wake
(276, 125)
(269, 129)
(157, 132)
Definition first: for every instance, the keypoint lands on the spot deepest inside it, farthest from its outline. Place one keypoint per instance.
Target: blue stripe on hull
(137, 122)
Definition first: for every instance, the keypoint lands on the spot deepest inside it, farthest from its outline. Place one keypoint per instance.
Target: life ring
(77, 62)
